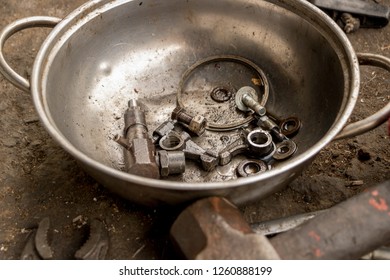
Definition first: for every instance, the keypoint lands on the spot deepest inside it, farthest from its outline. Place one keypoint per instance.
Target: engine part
(290, 126)
(261, 81)
(285, 150)
(96, 247)
(246, 98)
(171, 141)
(268, 124)
(197, 124)
(251, 167)
(139, 150)
(162, 130)
(239, 146)
(213, 228)
(261, 144)
(171, 162)
(208, 158)
(221, 94)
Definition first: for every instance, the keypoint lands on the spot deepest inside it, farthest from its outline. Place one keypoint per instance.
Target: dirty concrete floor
(38, 179)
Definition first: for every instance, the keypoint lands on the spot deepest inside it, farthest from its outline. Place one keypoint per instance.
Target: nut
(172, 162)
(198, 125)
(260, 143)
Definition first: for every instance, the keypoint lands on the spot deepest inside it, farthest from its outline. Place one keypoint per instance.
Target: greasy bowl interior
(111, 51)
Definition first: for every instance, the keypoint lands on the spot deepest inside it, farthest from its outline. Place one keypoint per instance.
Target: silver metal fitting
(172, 141)
(261, 144)
(284, 150)
(239, 146)
(246, 98)
(290, 126)
(139, 153)
(197, 124)
(162, 130)
(171, 162)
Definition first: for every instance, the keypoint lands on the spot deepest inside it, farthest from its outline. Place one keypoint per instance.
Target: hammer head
(213, 228)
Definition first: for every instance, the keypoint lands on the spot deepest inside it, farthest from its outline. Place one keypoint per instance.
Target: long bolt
(245, 98)
(253, 104)
(196, 124)
(181, 115)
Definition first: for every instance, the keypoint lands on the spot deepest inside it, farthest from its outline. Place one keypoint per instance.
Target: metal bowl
(107, 52)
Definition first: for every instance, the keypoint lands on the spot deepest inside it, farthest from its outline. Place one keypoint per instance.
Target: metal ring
(284, 150)
(251, 167)
(171, 142)
(225, 127)
(290, 126)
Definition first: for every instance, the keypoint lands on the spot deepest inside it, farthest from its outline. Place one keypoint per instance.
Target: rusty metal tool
(370, 14)
(96, 247)
(348, 230)
(213, 228)
(140, 152)
(37, 246)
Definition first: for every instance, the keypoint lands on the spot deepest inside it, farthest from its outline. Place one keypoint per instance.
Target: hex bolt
(196, 124)
(246, 99)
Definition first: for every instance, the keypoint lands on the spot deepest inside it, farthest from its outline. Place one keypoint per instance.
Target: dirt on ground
(38, 179)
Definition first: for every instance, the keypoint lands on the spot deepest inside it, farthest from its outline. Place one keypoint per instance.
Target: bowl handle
(18, 25)
(377, 118)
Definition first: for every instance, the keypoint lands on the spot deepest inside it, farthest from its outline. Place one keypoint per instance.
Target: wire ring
(233, 58)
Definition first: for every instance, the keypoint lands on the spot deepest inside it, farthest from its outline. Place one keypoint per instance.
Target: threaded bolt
(245, 98)
(196, 124)
(181, 115)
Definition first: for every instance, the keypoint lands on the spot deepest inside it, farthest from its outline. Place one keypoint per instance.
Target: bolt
(196, 124)
(246, 99)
